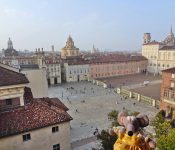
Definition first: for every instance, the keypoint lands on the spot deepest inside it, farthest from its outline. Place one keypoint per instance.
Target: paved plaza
(152, 90)
(89, 105)
(126, 80)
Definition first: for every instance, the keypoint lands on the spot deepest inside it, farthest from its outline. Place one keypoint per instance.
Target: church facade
(69, 50)
(10, 51)
(160, 55)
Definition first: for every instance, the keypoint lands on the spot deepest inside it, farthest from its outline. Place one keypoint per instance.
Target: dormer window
(8, 101)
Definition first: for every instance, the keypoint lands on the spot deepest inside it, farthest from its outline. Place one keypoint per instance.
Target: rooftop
(168, 48)
(9, 77)
(170, 70)
(39, 113)
(153, 43)
(110, 58)
(29, 67)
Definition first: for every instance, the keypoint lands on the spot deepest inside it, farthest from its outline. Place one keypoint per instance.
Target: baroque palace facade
(160, 55)
(73, 66)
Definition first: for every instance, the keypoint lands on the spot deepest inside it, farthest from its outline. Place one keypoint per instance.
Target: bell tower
(146, 38)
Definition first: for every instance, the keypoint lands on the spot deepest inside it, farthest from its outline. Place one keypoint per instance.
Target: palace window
(171, 94)
(55, 129)
(172, 84)
(166, 93)
(56, 147)
(26, 137)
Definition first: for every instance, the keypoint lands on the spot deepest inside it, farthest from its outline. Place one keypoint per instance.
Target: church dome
(170, 39)
(10, 41)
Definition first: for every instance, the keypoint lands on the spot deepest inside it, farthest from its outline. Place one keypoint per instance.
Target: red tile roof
(37, 114)
(110, 58)
(9, 77)
(170, 70)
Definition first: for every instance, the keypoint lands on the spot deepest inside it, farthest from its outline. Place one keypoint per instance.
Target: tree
(163, 129)
(112, 116)
(108, 140)
(165, 134)
(167, 142)
(159, 119)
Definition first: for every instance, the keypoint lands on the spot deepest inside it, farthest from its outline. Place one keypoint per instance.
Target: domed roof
(69, 39)
(170, 39)
(10, 41)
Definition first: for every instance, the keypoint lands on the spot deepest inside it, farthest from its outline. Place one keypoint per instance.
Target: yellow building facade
(160, 55)
(69, 50)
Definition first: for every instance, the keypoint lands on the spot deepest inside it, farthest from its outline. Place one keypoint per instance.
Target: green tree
(107, 140)
(163, 129)
(159, 119)
(165, 134)
(167, 141)
(112, 116)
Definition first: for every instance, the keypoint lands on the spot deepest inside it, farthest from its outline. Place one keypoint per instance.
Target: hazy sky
(109, 24)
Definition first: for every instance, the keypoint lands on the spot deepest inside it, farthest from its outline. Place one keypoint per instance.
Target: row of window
(53, 69)
(167, 55)
(27, 137)
(115, 68)
(78, 71)
(163, 56)
(159, 65)
(111, 74)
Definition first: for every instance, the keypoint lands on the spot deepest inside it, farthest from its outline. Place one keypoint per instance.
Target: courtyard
(89, 105)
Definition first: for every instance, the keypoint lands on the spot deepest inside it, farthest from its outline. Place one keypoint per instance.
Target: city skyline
(113, 25)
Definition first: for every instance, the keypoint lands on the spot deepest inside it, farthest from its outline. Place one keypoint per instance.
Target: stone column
(118, 90)
(21, 101)
(130, 94)
(154, 103)
(139, 97)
